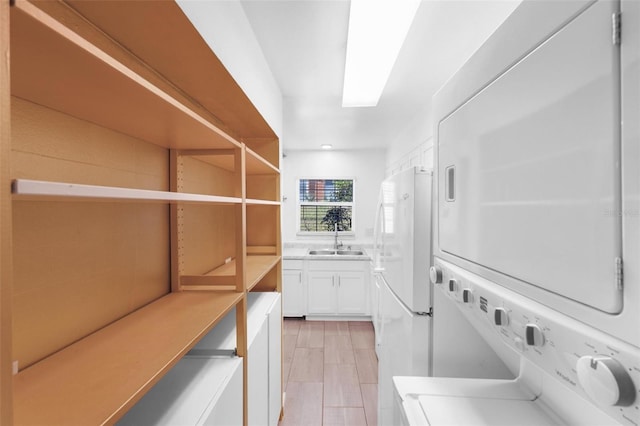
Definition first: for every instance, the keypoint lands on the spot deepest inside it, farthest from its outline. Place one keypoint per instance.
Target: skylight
(377, 30)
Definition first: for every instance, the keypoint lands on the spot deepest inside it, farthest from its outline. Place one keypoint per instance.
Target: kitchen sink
(322, 252)
(331, 252)
(350, 252)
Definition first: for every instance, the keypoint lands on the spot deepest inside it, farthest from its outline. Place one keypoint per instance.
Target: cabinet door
(258, 378)
(275, 363)
(292, 293)
(322, 293)
(352, 294)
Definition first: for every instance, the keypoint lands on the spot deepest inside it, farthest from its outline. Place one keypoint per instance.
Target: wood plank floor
(330, 373)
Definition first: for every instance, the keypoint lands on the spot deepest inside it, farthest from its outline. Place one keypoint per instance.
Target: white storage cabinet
(264, 374)
(197, 391)
(337, 287)
(264, 349)
(293, 288)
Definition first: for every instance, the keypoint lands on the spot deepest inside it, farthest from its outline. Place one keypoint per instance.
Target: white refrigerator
(401, 261)
(416, 335)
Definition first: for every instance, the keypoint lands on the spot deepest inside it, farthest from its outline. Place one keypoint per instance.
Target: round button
(605, 380)
(435, 273)
(519, 343)
(453, 285)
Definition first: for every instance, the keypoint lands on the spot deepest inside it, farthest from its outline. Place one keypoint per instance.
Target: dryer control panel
(600, 367)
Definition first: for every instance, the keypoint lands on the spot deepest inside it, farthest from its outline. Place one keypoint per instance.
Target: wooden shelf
(26, 189)
(55, 67)
(262, 202)
(97, 379)
(257, 267)
(223, 277)
(256, 165)
(225, 159)
(178, 52)
(93, 86)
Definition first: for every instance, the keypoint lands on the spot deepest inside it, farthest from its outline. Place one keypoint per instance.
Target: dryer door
(529, 168)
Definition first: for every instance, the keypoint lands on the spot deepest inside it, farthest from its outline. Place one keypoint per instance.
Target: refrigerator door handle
(378, 234)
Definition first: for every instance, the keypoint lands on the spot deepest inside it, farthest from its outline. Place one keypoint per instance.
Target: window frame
(300, 203)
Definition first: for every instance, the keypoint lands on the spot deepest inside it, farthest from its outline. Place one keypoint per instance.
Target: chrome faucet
(336, 244)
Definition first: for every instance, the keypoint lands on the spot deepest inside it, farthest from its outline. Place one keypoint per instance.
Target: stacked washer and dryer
(537, 219)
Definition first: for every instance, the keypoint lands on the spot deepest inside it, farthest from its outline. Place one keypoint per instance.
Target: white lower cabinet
(337, 288)
(197, 391)
(322, 293)
(192, 395)
(275, 362)
(293, 288)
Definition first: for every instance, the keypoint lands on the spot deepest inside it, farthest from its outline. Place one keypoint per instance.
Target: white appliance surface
(404, 347)
(537, 161)
(403, 322)
(401, 260)
(469, 402)
(569, 372)
(402, 247)
(495, 412)
(537, 166)
(376, 319)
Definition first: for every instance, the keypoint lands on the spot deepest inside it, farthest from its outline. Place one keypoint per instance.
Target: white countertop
(302, 253)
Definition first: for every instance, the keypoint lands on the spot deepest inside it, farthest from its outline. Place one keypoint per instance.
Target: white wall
(365, 166)
(414, 145)
(225, 28)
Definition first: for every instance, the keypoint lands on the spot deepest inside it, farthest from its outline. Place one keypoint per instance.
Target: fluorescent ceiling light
(326, 146)
(377, 30)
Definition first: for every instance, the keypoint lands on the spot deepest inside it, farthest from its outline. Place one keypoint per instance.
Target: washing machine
(570, 373)
(537, 219)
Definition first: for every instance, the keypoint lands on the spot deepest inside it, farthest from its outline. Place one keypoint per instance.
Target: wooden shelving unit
(140, 204)
(103, 375)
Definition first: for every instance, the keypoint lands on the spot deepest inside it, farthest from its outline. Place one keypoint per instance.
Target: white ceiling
(304, 43)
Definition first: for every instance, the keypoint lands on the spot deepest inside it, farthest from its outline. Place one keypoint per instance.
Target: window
(325, 203)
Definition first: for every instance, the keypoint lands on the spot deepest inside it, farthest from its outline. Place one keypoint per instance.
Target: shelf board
(257, 267)
(180, 54)
(222, 158)
(99, 378)
(222, 278)
(55, 67)
(256, 165)
(262, 202)
(26, 189)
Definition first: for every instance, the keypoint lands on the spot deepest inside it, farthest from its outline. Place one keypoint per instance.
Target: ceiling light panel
(377, 30)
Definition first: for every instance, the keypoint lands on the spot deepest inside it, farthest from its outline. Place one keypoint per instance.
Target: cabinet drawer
(337, 265)
(292, 264)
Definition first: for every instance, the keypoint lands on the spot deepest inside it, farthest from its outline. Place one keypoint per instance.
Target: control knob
(534, 335)
(467, 295)
(605, 380)
(500, 317)
(453, 285)
(435, 273)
